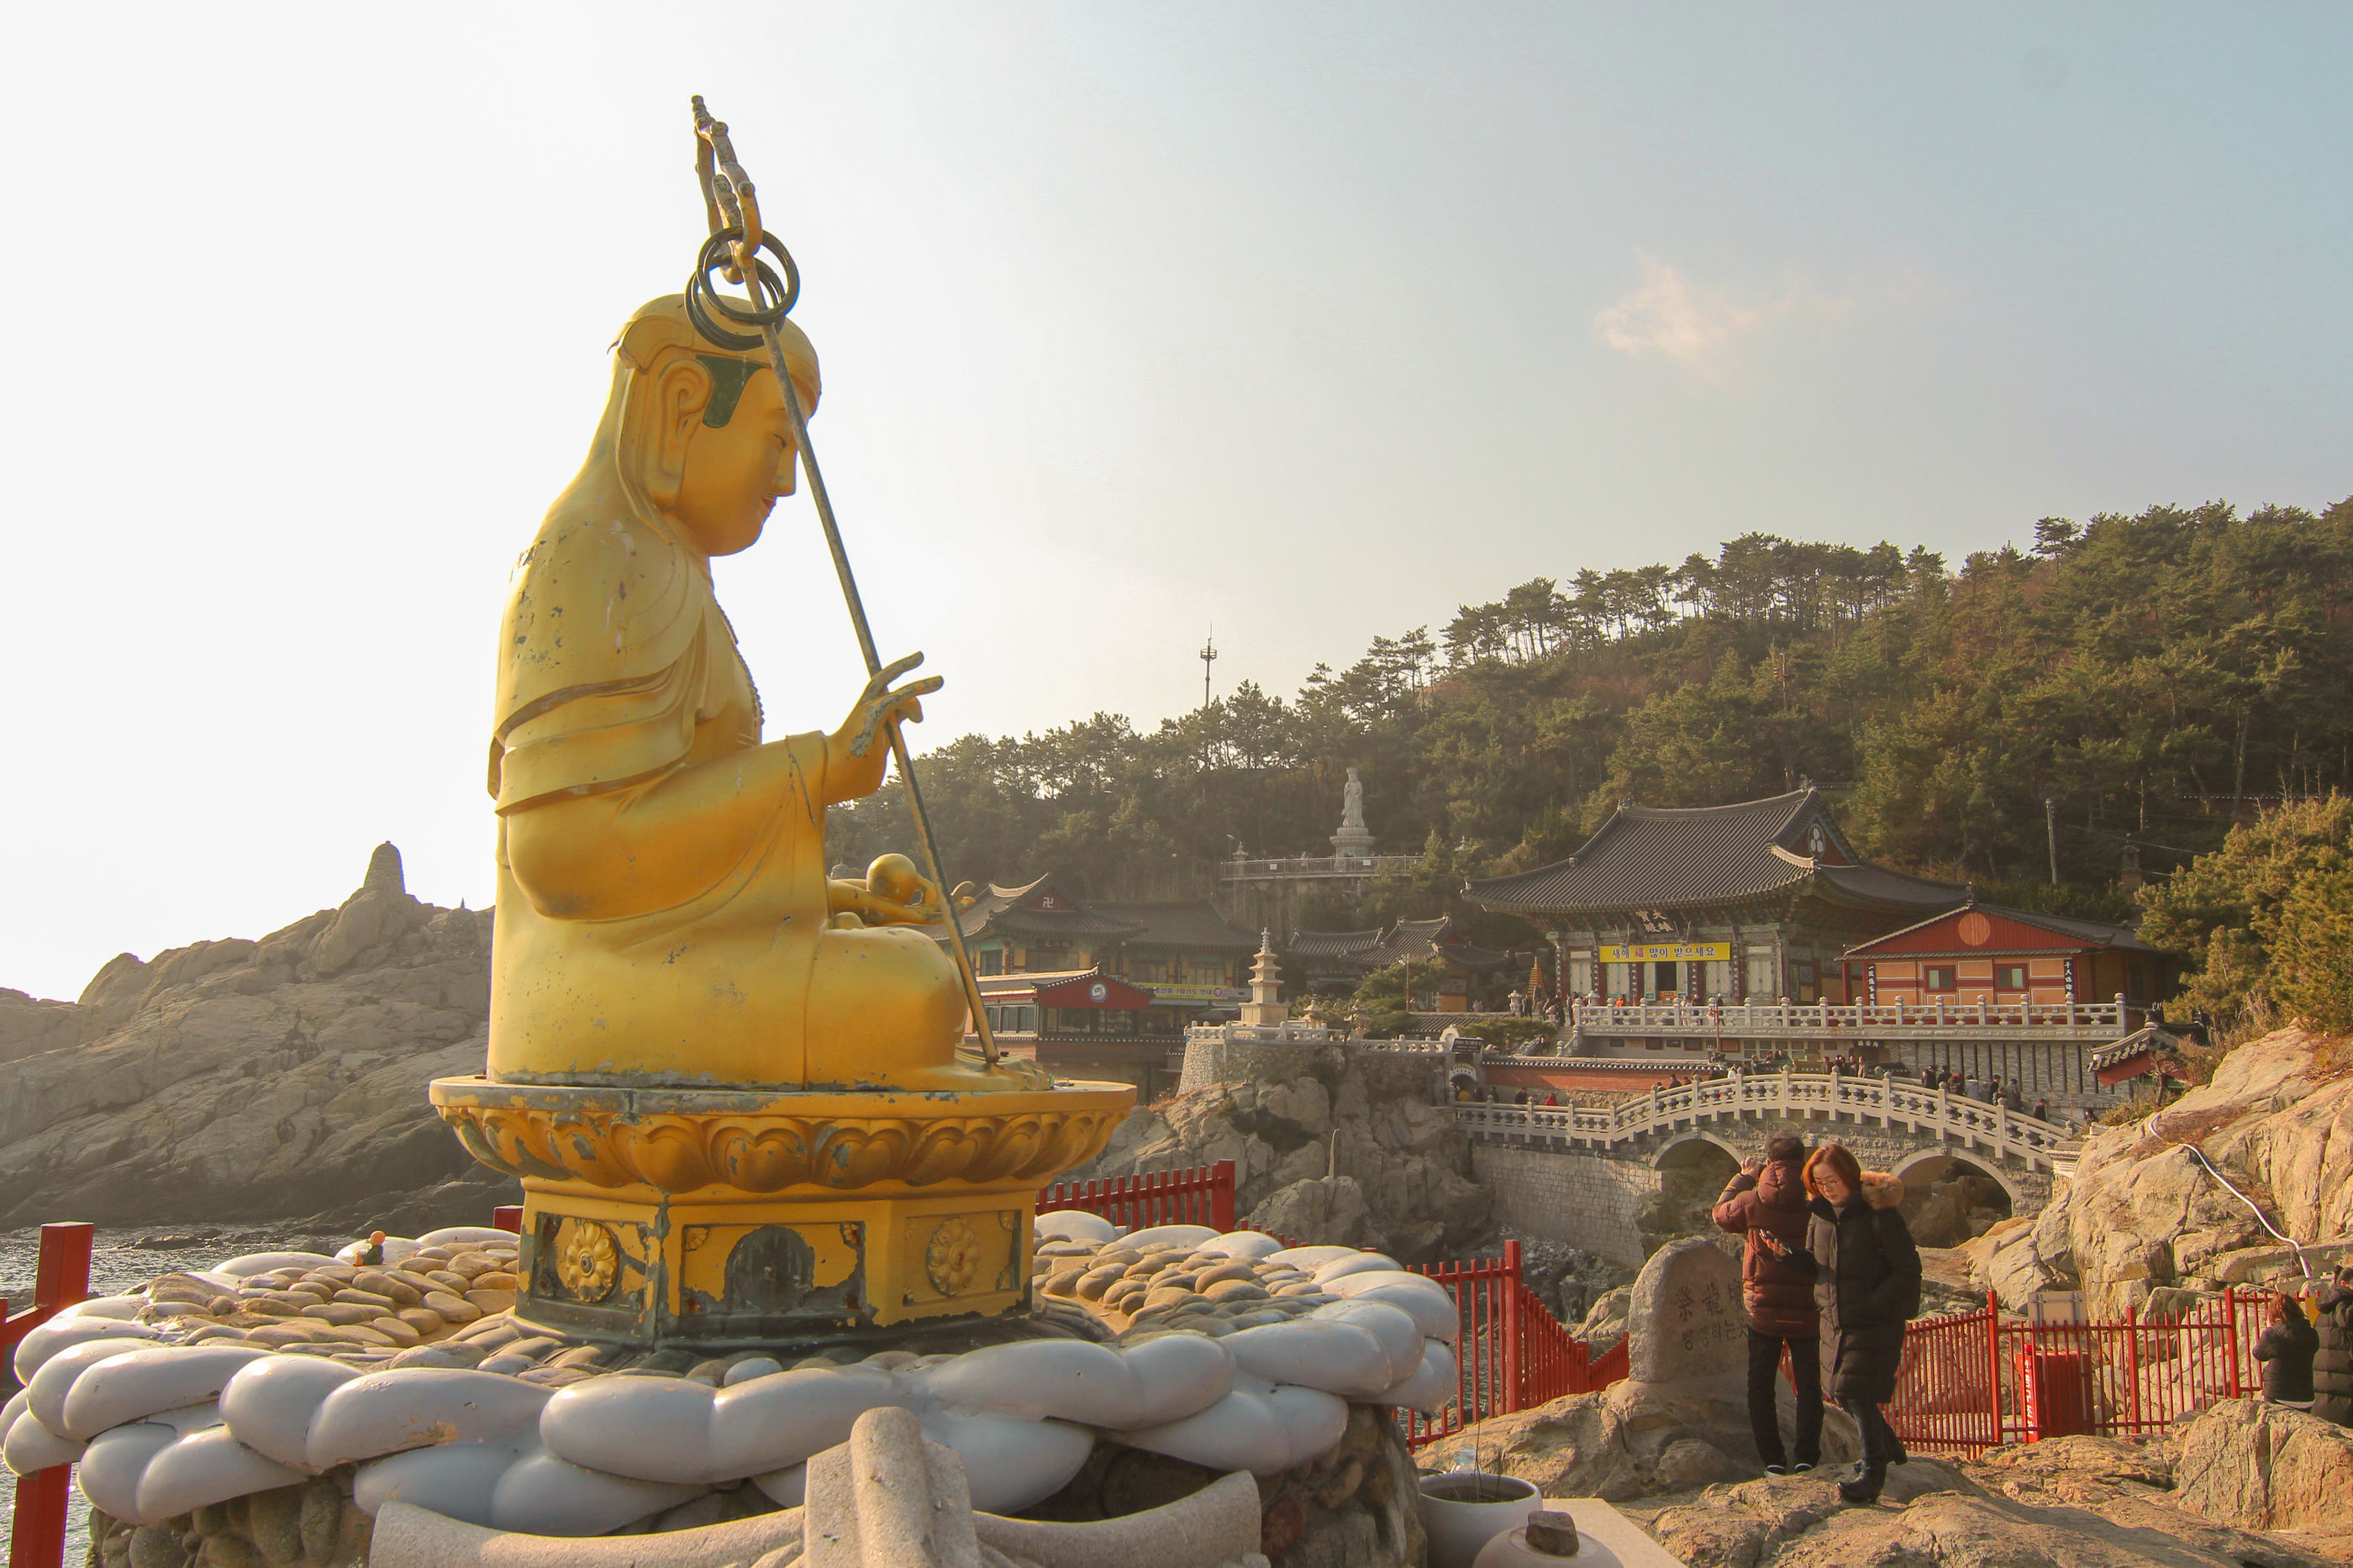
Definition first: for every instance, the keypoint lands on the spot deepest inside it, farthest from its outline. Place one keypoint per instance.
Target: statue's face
(732, 475)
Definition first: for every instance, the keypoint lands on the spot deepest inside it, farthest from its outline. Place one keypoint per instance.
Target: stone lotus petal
(766, 1424)
(245, 1265)
(671, 1153)
(1180, 1373)
(45, 1390)
(139, 1384)
(1247, 1243)
(542, 1495)
(1009, 1463)
(1326, 1354)
(110, 1468)
(1399, 1336)
(35, 1348)
(1357, 1263)
(763, 1157)
(788, 1487)
(1433, 1385)
(856, 1154)
(203, 1468)
(448, 1233)
(383, 1413)
(32, 1446)
(17, 1401)
(1076, 1224)
(1429, 1304)
(269, 1405)
(1171, 1235)
(1072, 1381)
(1312, 1258)
(116, 1309)
(457, 1481)
(650, 1429)
(1258, 1428)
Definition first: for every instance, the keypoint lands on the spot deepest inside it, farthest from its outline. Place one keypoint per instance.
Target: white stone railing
(2008, 1134)
(1766, 1020)
(1317, 865)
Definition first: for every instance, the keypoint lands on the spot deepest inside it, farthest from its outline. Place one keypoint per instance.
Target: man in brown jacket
(1769, 1197)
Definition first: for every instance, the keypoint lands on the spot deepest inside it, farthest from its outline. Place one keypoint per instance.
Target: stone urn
(1464, 1510)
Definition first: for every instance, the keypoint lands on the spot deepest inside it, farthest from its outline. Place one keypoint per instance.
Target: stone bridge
(1617, 1180)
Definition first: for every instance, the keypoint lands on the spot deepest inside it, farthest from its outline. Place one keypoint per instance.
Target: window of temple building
(990, 959)
(1581, 977)
(1938, 976)
(1763, 985)
(2010, 976)
(1209, 972)
(1151, 970)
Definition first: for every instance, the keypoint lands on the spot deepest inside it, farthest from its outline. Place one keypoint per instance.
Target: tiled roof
(1406, 942)
(1194, 924)
(1657, 858)
(1333, 943)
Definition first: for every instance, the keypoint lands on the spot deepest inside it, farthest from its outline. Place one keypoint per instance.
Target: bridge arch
(1938, 1187)
(1679, 1153)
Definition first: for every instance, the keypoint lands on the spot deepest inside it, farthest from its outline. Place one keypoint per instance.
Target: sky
(1299, 323)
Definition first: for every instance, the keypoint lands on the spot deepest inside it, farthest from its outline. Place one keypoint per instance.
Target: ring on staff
(703, 299)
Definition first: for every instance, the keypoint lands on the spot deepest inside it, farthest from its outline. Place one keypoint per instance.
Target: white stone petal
(1244, 1431)
(1312, 1258)
(35, 1348)
(648, 1428)
(1169, 1236)
(1011, 1463)
(1075, 1225)
(773, 1423)
(788, 1487)
(269, 1405)
(1429, 1304)
(139, 1384)
(542, 1495)
(245, 1265)
(457, 1481)
(1250, 1243)
(17, 1405)
(1312, 1421)
(1399, 1336)
(32, 1446)
(116, 1309)
(1178, 1375)
(1040, 1378)
(110, 1468)
(1354, 1263)
(206, 1467)
(451, 1232)
(45, 1390)
(1323, 1353)
(1433, 1385)
(413, 1407)
(745, 1371)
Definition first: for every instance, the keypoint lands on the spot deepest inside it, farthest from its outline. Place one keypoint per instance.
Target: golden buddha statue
(664, 915)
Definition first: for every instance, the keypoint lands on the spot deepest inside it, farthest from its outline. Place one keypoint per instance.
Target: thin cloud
(1696, 325)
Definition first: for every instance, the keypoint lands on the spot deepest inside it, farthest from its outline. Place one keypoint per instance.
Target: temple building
(1333, 961)
(1758, 900)
(1983, 952)
(1103, 989)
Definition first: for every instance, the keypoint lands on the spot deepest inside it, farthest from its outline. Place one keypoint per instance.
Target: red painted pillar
(36, 1538)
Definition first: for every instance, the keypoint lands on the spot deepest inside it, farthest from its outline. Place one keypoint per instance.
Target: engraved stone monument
(1686, 1320)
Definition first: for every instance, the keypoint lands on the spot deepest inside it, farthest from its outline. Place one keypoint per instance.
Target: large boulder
(1352, 1118)
(2263, 1466)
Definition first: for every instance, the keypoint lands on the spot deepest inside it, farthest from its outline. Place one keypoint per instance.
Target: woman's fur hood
(1879, 1190)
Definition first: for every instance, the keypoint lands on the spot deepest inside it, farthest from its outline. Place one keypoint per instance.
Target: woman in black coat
(1866, 1274)
(2286, 1349)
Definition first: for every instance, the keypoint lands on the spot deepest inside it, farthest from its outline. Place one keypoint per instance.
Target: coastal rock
(245, 1079)
(1354, 1119)
(2263, 1466)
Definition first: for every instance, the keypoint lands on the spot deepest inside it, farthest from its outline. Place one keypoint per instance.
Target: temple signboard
(1665, 952)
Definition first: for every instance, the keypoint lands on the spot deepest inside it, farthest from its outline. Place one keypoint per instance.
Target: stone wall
(1585, 1200)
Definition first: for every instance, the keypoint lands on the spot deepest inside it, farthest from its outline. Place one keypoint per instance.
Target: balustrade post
(1981, 1012)
(2124, 1017)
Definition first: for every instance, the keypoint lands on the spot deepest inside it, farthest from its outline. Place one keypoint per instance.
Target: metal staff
(734, 250)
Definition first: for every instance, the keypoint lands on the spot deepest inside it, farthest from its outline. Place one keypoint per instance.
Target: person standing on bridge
(1765, 1205)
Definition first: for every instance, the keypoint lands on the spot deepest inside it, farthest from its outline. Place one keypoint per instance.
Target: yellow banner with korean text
(1666, 952)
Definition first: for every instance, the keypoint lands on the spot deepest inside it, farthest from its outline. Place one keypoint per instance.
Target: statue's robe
(616, 666)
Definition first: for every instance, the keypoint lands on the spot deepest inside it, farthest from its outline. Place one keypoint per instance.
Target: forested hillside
(2155, 675)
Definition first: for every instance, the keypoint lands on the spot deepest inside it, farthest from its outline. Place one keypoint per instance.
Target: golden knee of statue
(664, 915)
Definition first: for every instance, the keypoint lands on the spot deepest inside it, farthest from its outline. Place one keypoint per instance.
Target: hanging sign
(1667, 952)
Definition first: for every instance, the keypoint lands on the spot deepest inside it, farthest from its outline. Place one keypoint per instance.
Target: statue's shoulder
(594, 601)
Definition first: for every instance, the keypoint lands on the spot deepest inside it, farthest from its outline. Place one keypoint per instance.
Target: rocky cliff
(2147, 1221)
(1350, 1153)
(257, 1079)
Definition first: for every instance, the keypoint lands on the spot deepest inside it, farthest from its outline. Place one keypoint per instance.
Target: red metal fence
(1513, 1353)
(37, 1536)
(1976, 1379)
(1201, 1195)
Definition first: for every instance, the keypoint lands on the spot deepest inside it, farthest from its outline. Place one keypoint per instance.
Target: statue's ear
(680, 392)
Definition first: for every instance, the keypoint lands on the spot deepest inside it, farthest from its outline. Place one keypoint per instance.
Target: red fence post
(508, 1217)
(36, 1537)
(1993, 1367)
(2231, 1336)
(1221, 1196)
(1509, 1289)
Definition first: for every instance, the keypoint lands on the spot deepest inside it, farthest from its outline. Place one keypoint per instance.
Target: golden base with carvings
(724, 1217)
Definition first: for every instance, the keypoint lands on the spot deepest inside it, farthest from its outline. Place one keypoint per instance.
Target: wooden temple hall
(1766, 903)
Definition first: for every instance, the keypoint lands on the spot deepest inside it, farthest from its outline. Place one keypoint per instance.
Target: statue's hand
(880, 705)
